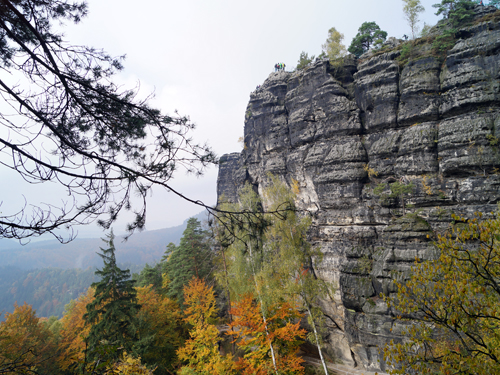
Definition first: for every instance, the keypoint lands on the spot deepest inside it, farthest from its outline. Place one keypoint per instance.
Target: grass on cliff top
(436, 45)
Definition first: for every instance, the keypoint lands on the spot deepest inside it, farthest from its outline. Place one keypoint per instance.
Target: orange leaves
(255, 334)
(74, 331)
(25, 342)
(162, 321)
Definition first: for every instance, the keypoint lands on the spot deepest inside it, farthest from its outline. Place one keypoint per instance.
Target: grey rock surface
(341, 133)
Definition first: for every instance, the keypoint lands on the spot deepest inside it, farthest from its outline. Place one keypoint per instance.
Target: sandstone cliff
(432, 125)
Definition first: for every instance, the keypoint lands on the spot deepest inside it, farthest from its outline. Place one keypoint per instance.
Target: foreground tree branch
(64, 120)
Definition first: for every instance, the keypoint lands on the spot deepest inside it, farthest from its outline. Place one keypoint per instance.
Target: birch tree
(412, 9)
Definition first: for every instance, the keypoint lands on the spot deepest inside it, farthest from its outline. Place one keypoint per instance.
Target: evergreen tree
(192, 258)
(369, 34)
(458, 12)
(112, 313)
(150, 275)
(304, 60)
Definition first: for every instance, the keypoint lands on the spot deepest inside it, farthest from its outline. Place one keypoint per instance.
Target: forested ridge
(48, 290)
(47, 275)
(170, 317)
(246, 295)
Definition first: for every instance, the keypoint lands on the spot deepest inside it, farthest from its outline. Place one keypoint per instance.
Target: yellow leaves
(201, 350)
(256, 334)
(200, 302)
(371, 172)
(129, 366)
(74, 331)
(427, 188)
(295, 186)
(25, 342)
(454, 291)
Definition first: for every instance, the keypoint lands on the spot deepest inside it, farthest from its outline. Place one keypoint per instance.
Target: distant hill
(141, 248)
(47, 274)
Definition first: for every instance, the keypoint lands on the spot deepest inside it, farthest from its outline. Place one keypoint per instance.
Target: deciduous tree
(255, 335)
(293, 259)
(74, 331)
(334, 47)
(201, 351)
(26, 345)
(273, 261)
(161, 328)
(411, 9)
(454, 302)
(129, 365)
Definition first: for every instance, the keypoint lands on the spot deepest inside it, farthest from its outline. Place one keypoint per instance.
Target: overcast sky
(203, 58)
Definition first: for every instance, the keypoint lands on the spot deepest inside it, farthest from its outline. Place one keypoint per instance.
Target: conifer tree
(192, 258)
(458, 12)
(112, 313)
(495, 3)
(304, 60)
(369, 35)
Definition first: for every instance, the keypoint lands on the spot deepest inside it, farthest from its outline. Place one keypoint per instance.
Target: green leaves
(369, 34)
(458, 12)
(192, 258)
(456, 301)
(304, 60)
(411, 10)
(334, 47)
(112, 313)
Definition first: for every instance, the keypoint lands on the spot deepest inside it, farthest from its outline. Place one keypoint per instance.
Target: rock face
(431, 127)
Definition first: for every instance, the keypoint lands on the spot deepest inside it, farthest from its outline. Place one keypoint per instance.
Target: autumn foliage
(74, 331)
(456, 302)
(161, 322)
(26, 344)
(201, 352)
(254, 335)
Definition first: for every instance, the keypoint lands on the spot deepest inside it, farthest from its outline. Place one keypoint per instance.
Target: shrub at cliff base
(455, 301)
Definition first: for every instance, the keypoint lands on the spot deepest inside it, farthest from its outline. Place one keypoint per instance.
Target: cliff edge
(431, 125)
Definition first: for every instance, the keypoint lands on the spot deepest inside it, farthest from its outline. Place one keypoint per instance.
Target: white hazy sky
(203, 58)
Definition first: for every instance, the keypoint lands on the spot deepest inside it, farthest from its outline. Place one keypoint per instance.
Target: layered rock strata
(432, 126)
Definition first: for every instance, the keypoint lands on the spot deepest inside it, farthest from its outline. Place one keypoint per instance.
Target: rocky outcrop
(345, 134)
